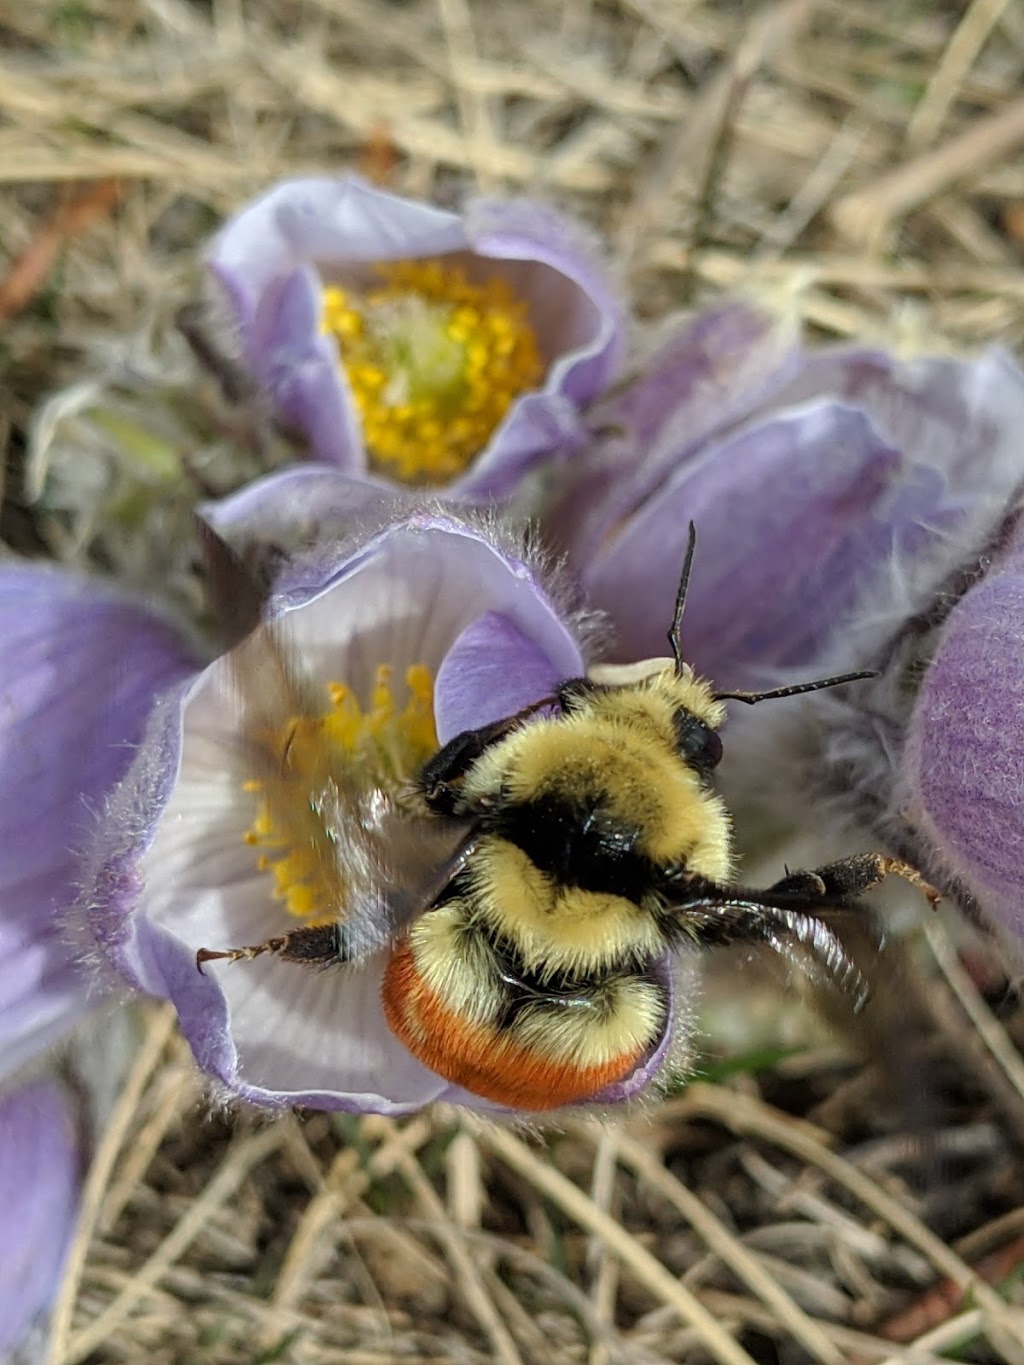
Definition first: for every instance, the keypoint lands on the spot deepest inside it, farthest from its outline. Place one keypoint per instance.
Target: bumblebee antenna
(674, 637)
(794, 691)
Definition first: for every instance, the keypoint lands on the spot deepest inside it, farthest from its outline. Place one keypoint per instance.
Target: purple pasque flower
(810, 476)
(431, 626)
(81, 665)
(39, 1176)
(407, 343)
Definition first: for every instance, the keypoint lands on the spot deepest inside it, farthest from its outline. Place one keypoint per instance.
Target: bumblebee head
(671, 705)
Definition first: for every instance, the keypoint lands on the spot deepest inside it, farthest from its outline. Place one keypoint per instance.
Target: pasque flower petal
(705, 377)
(276, 257)
(846, 466)
(927, 757)
(774, 569)
(268, 523)
(80, 667)
(39, 1170)
(490, 668)
(297, 364)
(697, 383)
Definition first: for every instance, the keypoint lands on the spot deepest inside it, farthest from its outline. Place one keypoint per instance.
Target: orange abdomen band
(480, 1058)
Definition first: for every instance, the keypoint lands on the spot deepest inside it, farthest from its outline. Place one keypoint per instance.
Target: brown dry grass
(865, 159)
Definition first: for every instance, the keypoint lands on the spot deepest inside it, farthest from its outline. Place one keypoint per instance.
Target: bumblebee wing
(793, 915)
(378, 857)
(789, 921)
(386, 884)
(406, 862)
(274, 702)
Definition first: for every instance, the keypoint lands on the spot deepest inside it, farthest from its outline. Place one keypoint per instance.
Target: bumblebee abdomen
(471, 1013)
(558, 927)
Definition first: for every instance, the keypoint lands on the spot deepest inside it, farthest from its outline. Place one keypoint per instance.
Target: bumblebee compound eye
(696, 742)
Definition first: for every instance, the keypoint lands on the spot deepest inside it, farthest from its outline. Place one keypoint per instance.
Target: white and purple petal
(697, 384)
(772, 569)
(578, 323)
(39, 1180)
(960, 780)
(298, 367)
(856, 469)
(303, 505)
(81, 666)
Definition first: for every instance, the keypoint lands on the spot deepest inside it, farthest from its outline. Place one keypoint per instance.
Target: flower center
(385, 746)
(434, 362)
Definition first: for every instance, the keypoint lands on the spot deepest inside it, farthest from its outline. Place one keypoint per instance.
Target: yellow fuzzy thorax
(434, 361)
(616, 753)
(385, 744)
(622, 745)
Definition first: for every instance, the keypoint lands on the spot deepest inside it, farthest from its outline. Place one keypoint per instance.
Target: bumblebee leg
(318, 945)
(453, 761)
(449, 765)
(841, 882)
(809, 884)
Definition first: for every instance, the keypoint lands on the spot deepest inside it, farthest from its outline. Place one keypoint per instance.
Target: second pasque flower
(416, 345)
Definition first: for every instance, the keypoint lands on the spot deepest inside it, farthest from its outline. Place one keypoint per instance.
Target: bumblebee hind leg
(845, 881)
(316, 945)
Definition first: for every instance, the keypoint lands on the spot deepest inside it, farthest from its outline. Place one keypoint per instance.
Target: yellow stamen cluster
(434, 362)
(383, 746)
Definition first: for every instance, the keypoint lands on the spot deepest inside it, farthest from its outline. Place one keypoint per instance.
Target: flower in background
(809, 476)
(415, 345)
(428, 628)
(79, 671)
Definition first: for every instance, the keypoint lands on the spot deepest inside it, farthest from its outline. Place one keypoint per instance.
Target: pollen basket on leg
(434, 361)
(310, 761)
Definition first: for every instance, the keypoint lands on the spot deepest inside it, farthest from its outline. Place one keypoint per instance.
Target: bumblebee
(580, 845)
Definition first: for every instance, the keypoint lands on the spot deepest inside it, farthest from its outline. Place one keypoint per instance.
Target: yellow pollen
(433, 361)
(385, 745)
